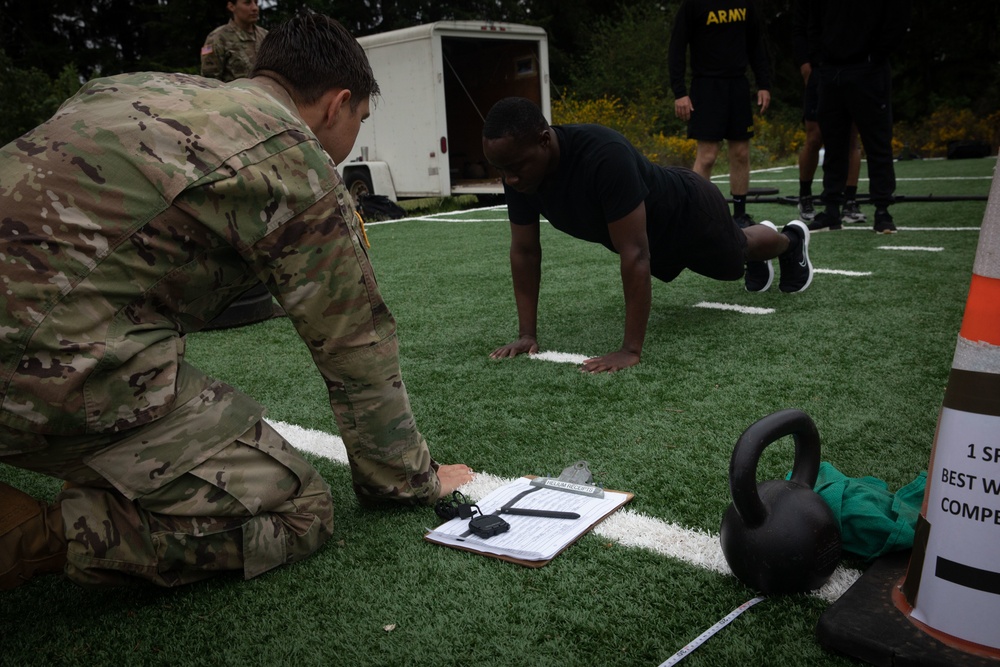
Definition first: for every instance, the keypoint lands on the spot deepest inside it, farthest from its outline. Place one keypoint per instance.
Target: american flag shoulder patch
(205, 50)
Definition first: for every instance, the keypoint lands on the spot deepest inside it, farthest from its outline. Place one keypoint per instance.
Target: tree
(28, 97)
(35, 34)
(103, 37)
(626, 56)
(381, 16)
(603, 47)
(950, 55)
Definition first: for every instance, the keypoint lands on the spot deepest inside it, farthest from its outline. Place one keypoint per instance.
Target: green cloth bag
(872, 520)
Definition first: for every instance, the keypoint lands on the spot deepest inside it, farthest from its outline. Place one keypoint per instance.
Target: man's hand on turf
(610, 363)
(453, 476)
(523, 345)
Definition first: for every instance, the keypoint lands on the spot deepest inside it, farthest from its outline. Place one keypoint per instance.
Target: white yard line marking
(910, 247)
(439, 217)
(864, 228)
(445, 214)
(322, 444)
(428, 218)
(746, 310)
(863, 180)
(725, 177)
(626, 527)
(843, 272)
(938, 229)
(560, 357)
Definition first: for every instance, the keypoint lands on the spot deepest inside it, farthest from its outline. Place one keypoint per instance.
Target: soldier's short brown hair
(315, 53)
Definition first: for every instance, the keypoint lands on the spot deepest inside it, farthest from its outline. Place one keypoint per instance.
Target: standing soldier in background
(229, 54)
(725, 37)
(230, 50)
(850, 42)
(809, 155)
(131, 218)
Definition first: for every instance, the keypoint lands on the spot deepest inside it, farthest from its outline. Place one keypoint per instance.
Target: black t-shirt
(600, 178)
(724, 36)
(851, 32)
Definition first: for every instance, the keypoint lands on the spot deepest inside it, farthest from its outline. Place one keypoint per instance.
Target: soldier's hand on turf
(523, 345)
(453, 476)
(610, 363)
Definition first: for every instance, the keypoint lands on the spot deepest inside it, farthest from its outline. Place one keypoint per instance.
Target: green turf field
(866, 351)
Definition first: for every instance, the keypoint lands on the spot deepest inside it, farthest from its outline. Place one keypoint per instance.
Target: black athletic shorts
(703, 236)
(722, 109)
(810, 100)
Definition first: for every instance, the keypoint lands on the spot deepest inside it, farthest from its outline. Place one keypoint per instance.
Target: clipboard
(526, 533)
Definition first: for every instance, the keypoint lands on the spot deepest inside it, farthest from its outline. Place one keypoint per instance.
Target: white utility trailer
(438, 81)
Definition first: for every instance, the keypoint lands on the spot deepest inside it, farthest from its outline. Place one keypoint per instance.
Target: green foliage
(619, 79)
(949, 57)
(638, 122)
(777, 139)
(104, 37)
(369, 18)
(28, 96)
(626, 57)
(611, 56)
(632, 120)
(930, 135)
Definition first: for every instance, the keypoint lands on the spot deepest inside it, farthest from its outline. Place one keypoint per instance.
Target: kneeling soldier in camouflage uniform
(133, 217)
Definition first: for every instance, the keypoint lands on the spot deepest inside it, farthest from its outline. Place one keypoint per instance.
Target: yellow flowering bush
(776, 140)
(632, 120)
(671, 150)
(931, 136)
(638, 122)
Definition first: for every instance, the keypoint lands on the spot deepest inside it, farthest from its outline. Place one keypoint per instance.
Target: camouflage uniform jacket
(136, 214)
(229, 51)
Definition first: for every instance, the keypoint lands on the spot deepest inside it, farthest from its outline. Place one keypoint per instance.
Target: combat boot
(32, 540)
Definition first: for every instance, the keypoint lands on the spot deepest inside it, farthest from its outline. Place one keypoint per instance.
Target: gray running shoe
(852, 212)
(806, 209)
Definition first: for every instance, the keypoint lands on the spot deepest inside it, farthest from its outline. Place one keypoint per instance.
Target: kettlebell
(779, 536)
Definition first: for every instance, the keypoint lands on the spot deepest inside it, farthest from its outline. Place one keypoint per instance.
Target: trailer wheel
(359, 183)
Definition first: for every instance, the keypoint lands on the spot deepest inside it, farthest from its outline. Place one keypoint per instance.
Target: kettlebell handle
(750, 446)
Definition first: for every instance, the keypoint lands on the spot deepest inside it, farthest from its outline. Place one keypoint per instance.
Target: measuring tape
(705, 636)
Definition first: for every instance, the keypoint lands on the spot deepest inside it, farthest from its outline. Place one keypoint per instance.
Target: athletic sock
(850, 193)
(805, 188)
(739, 205)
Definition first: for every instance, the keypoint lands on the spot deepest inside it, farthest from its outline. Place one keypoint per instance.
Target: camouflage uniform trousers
(171, 504)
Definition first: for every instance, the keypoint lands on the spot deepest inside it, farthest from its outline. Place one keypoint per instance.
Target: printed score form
(531, 541)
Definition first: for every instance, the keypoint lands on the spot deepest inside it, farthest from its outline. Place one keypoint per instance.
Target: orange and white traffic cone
(941, 604)
(952, 585)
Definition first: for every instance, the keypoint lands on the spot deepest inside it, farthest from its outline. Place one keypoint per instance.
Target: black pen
(549, 514)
